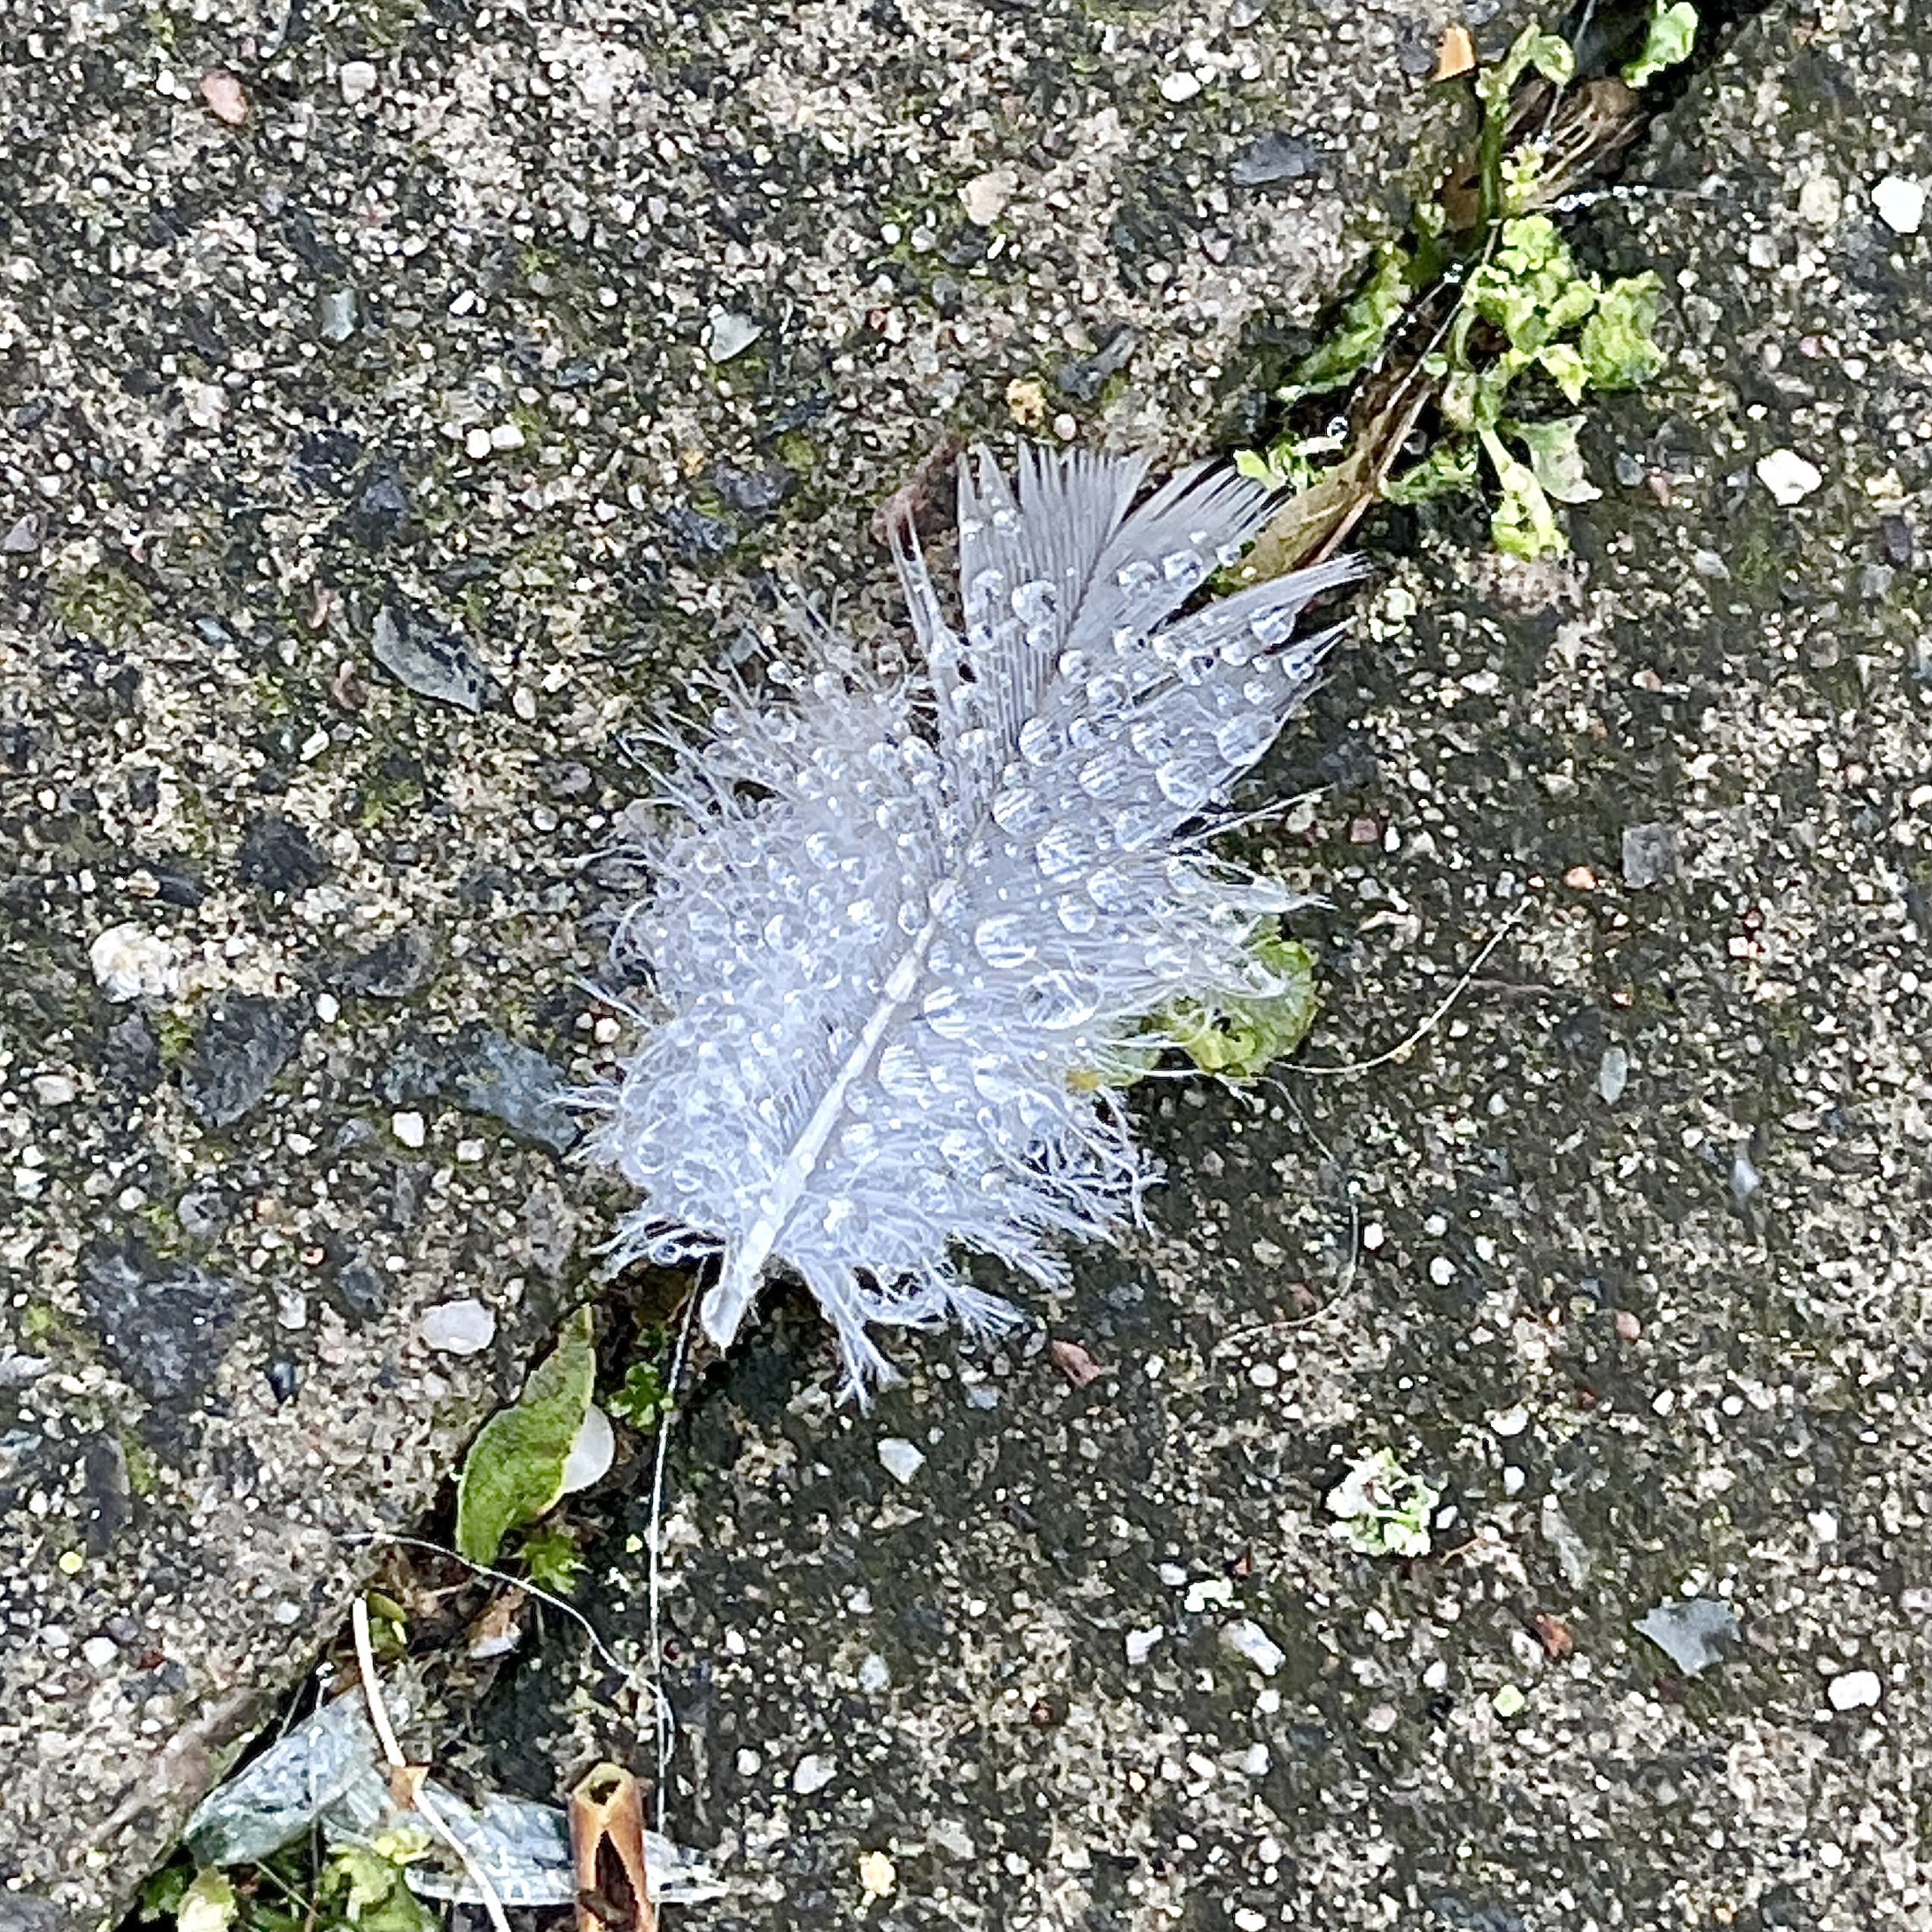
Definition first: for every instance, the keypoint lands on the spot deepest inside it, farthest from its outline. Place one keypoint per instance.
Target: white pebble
(1613, 1074)
(53, 1089)
(1511, 1421)
(731, 335)
(813, 1773)
(985, 197)
(1900, 204)
(476, 445)
(1140, 1644)
(100, 1652)
(408, 1129)
(357, 79)
(1253, 1644)
(505, 436)
(1177, 88)
(1854, 1690)
(458, 1328)
(1442, 1271)
(900, 1458)
(1786, 474)
(132, 963)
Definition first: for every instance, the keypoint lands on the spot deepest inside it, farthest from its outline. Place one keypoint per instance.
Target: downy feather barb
(903, 908)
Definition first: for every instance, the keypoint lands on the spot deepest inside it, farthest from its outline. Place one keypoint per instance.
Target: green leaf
(1566, 368)
(1556, 459)
(514, 1471)
(1255, 467)
(552, 1559)
(1548, 53)
(1241, 1035)
(1673, 32)
(1617, 345)
(1363, 328)
(1523, 524)
(373, 1893)
(209, 1904)
(1448, 467)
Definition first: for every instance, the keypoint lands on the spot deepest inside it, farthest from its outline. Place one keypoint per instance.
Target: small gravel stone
(1140, 1643)
(1693, 1633)
(1900, 204)
(54, 1090)
(1176, 88)
(458, 1328)
(812, 1774)
(1789, 476)
(1854, 1690)
(1249, 1641)
(1651, 854)
(901, 1459)
(100, 1652)
(132, 963)
(1613, 1074)
(985, 197)
(1274, 158)
(225, 98)
(731, 335)
(357, 79)
(408, 1128)
(335, 314)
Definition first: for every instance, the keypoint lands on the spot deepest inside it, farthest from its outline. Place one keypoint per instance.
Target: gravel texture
(396, 398)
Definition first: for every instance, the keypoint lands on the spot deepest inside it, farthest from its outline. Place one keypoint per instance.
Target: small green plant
(358, 1886)
(1524, 326)
(551, 1555)
(640, 1398)
(1381, 1509)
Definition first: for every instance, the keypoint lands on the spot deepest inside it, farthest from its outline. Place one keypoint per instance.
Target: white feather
(901, 909)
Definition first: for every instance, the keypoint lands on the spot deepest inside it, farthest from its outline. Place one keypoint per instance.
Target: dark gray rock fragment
(109, 1494)
(360, 1289)
(696, 537)
(757, 493)
(278, 855)
(1085, 379)
(246, 1040)
(1651, 854)
(483, 1072)
(393, 970)
(1274, 158)
(432, 659)
(164, 1328)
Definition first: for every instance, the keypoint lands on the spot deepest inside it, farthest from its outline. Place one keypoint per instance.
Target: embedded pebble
(1900, 204)
(731, 335)
(812, 1774)
(357, 79)
(985, 197)
(900, 1458)
(100, 1652)
(54, 1090)
(408, 1128)
(1787, 475)
(132, 963)
(1140, 1644)
(1177, 88)
(1613, 1074)
(458, 1328)
(1854, 1690)
(1253, 1645)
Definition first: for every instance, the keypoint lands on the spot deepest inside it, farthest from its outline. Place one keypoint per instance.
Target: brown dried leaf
(1455, 55)
(1554, 1634)
(607, 1844)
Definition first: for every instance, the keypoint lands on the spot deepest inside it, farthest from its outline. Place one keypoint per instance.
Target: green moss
(103, 602)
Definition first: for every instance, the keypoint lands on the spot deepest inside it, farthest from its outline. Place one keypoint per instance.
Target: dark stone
(965, 247)
(695, 537)
(484, 1072)
(1895, 534)
(395, 969)
(360, 1289)
(133, 1058)
(949, 296)
(109, 1496)
(757, 493)
(1651, 854)
(570, 780)
(278, 855)
(324, 458)
(381, 509)
(246, 1040)
(577, 375)
(175, 886)
(283, 1379)
(1277, 158)
(164, 1330)
(1084, 380)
